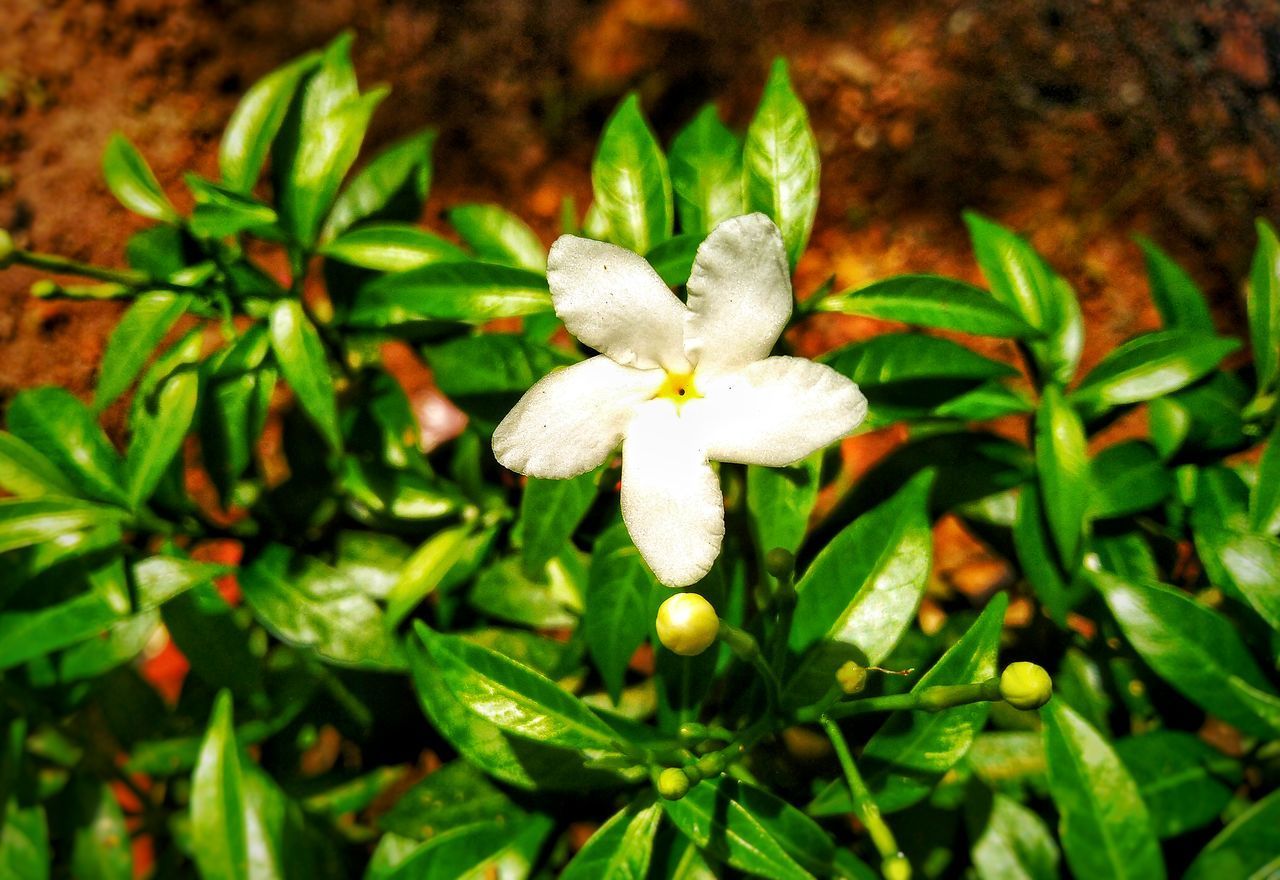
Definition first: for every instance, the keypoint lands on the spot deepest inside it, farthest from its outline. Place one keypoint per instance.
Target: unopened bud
(896, 868)
(687, 624)
(673, 784)
(1025, 685)
(44, 288)
(779, 562)
(852, 678)
(6, 249)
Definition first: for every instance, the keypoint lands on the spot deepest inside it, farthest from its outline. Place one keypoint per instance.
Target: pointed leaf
(301, 356)
(256, 120)
(706, 173)
(141, 329)
(1264, 305)
(1177, 297)
(932, 301)
(629, 181)
(1063, 464)
(498, 236)
(131, 181)
(621, 848)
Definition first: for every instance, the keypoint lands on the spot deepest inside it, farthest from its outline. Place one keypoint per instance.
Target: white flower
(679, 386)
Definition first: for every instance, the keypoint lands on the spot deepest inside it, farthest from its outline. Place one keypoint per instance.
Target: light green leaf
(1264, 306)
(1125, 478)
(64, 430)
(621, 848)
(1264, 499)
(133, 340)
(780, 162)
(27, 473)
(462, 292)
(1245, 849)
(1185, 782)
(1063, 464)
(160, 423)
(779, 502)
(1243, 563)
(400, 172)
(392, 247)
(1177, 297)
(550, 511)
(25, 635)
(301, 356)
(552, 599)
(24, 843)
(1014, 844)
(100, 847)
(28, 521)
(629, 181)
(498, 236)
(131, 181)
(706, 173)
(256, 120)
(931, 301)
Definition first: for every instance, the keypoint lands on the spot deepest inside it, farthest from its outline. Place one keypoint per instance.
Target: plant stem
(930, 699)
(745, 647)
(64, 266)
(864, 806)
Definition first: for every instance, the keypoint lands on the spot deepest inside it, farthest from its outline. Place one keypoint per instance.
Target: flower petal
(775, 412)
(739, 295)
(614, 301)
(571, 420)
(671, 499)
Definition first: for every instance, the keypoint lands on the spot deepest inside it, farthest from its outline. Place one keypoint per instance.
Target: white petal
(671, 499)
(571, 420)
(739, 295)
(614, 301)
(776, 411)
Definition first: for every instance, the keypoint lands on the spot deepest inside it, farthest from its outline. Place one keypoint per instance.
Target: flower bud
(673, 784)
(896, 868)
(687, 624)
(852, 678)
(6, 249)
(44, 288)
(779, 562)
(1025, 685)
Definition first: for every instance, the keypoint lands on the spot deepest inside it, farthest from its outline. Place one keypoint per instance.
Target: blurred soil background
(1077, 123)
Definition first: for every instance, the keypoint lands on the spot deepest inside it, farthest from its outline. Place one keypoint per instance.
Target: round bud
(852, 678)
(896, 868)
(779, 562)
(6, 249)
(1025, 685)
(711, 764)
(673, 784)
(44, 288)
(687, 624)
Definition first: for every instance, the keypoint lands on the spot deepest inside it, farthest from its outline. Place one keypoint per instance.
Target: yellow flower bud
(896, 868)
(1025, 685)
(673, 784)
(687, 624)
(6, 249)
(852, 678)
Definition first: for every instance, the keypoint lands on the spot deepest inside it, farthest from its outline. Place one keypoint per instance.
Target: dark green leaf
(1264, 500)
(1246, 848)
(1264, 305)
(706, 173)
(1194, 649)
(1014, 844)
(621, 848)
(780, 162)
(24, 843)
(1185, 783)
(375, 190)
(1126, 478)
(104, 651)
(463, 292)
(63, 429)
(673, 259)
(301, 356)
(130, 179)
(392, 247)
(1103, 823)
(630, 183)
(27, 473)
(486, 374)
(1177, 297)
(455, 795)
(160, 423)
(133, 340)
(489, 849)
(779, 502)
(931, 301)
(1063, 464)
(25, 635)
(618, 590)
(498, 236)
(256, 120)
(550, 511)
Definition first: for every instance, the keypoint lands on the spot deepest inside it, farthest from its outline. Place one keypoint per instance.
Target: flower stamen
(678, 388)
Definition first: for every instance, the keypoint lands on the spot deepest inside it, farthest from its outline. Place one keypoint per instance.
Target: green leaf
(28, 521)
(1177, 297)
(256, 120)
(1038, 558)
(706, 173)
(912, 357)
(864, 587)
(1063, 464)
(514, 697)
(130, 179)
(618, 590)
(377, 492)
(301, 356)
(1243, 563)
(1014, 844)
(1102, 821)
(1246, 848)
(1194, 649)
(100, 847)
(463, 292)
(629, 181)
(1185, 783)
(780, 162)
(931, 301)
(621, 848)
(550, 600)
(63, 429)
(779, 502)
(24, 843)
(221, 211)
(27, 473)
(1264, 499)
(308, 604)
(1264, 306)
(498, 236)
(392, 247)
(104, 651)
(159, 578)
(1150, 366)
(673, 259)
(160, 424)
(423, 571)
(1126, 478)
(400, 172)
(712, 817)
(133, 340)
(550, 511)
(906, 757)
(25, 635)
(455, 795)
(476, 852)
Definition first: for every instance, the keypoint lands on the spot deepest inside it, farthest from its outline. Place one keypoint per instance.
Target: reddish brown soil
(1078, 122)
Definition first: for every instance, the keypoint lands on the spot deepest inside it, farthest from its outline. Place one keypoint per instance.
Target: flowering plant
(397, 655)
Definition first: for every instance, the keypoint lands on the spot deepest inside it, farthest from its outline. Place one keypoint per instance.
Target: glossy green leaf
(400, 172)
(392, 247)
(615, 622)
(1038, 557)
(621, 848)
(1246, 848)
(550, 511)
(455, 795)
(256, 120)
(309, 604)
(630, 183)
(931, 301)
(706, 173)
(28, 521)
(133, 340)
(911, 357)
(496, 235)
(1264, 305)
(302, 360)
(221, 211)
(462, 292)
(160, 424)
(1102, 821)
(1194, 649)
(550, 600)
(61, 428)
(100, 846)
(1126, 478)
(1185, 782)
(218, 815)
(1014, 844)
(779, 502)
(780, 162)
(104, 651)
(27, 473)
(514, 697)
(1243, 563)
(713, 816)
(1150, 366)
(1063, 464)
(1177, 297)
(25, 635)
(376, 492)
(159, 578)
(486, 374)
(1264, 499)
(131, 181)
(475, 852)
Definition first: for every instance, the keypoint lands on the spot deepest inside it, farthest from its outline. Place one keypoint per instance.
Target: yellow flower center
(678, 388)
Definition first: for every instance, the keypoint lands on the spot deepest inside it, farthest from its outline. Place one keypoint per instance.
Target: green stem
(64, 266)
(864, 806)
(930, 699)
(746, 648)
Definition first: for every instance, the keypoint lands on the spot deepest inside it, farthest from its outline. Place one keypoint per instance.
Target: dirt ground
(1077, 122)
